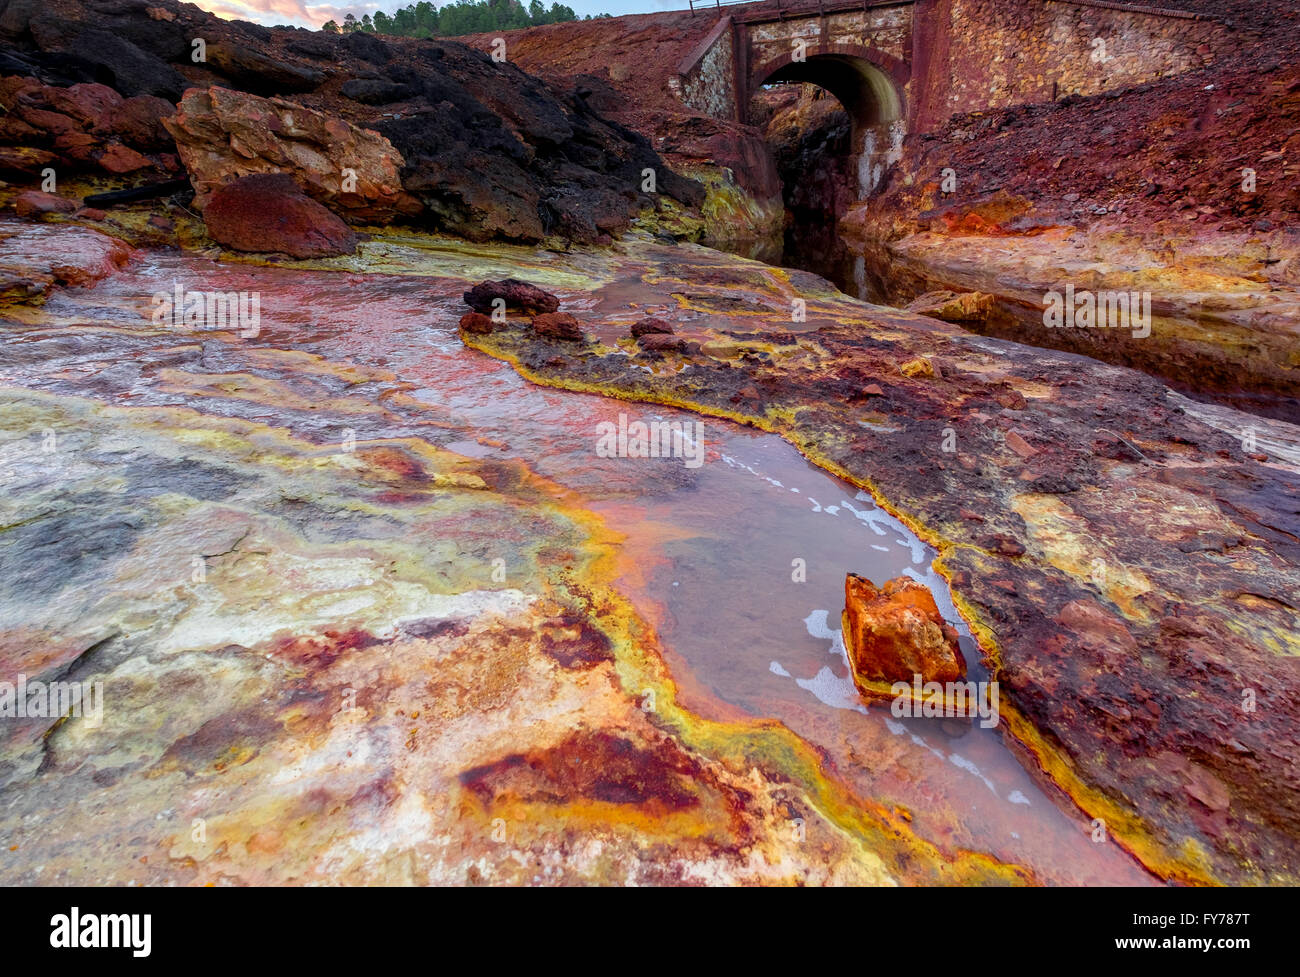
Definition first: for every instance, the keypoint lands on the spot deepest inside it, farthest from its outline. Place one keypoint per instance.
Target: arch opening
(834, 124)
(869, 94)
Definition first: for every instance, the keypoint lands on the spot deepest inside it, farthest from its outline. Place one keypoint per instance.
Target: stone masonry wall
(888, 30)
(1000, 53)
(710, 86)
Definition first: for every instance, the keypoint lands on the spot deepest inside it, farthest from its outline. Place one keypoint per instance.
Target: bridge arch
(868, 83)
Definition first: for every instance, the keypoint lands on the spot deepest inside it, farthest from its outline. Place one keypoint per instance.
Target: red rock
(658, 342)
(117, 158)
(92, 214)
(895, 633)
(34, 203)
(1010, 399)
(88, 103)
(53, 123)
(267, 212)
(1019, 445)
(557, 325)
(138, 122)
(476, 322)
(518, 295)
(24, 159)
(873, 390)
(649, 325)
(162, 223)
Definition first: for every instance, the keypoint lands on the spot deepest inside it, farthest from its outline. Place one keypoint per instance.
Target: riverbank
(1110, 549)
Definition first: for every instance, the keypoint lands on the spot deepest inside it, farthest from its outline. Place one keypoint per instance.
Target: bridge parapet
(951, 56)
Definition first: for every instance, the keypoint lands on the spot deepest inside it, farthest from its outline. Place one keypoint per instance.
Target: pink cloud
(294, 12)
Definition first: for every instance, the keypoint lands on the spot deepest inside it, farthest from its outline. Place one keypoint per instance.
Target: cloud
(296, 13)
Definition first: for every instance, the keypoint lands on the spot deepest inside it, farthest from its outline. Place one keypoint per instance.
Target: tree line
(423, 19)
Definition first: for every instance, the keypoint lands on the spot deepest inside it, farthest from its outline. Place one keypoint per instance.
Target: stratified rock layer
(223, 135)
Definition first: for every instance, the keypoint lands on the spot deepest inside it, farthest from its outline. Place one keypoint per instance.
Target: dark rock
(126, 68)
(518, 295)
(366, 46)
(376, 91)
(651, 324)
(252, 71)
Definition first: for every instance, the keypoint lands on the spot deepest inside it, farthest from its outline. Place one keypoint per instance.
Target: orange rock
(896, 632)
(476, 322)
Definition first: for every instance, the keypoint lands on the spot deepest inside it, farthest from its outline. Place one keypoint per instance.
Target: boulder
(138, 122)
(651, 324)
(259, 72)
(476, 322)
(557, 325)
(956, 307)
(895, 633)
(268, 212)
(660, 342)
(222, 134)
(518, 295)
(35, 204)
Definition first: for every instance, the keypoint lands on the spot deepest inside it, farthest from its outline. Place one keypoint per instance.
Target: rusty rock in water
(896, 632)
(557, 325)
(658, 342)
(476, 322)
(651, 325)
(520, 295)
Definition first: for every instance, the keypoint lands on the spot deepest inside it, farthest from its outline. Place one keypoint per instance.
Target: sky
(302, 13)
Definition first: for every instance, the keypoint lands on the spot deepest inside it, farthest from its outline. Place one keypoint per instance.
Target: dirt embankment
(1185, 188)
(621, 66)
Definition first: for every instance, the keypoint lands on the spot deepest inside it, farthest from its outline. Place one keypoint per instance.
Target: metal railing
(719, 4)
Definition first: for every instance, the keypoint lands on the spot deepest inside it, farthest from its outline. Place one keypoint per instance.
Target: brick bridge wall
(950, 56)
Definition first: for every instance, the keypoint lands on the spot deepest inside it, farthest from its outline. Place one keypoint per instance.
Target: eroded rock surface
(35, 259)
(223, 135)
(1127, 567)
(280, 555)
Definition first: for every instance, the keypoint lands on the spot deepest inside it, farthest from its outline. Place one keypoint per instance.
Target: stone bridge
(900, 66)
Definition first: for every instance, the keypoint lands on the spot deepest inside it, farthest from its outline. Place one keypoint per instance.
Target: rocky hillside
(487, 149)
(620, 67)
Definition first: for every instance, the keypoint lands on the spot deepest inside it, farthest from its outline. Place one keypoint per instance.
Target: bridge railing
(711, 4)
